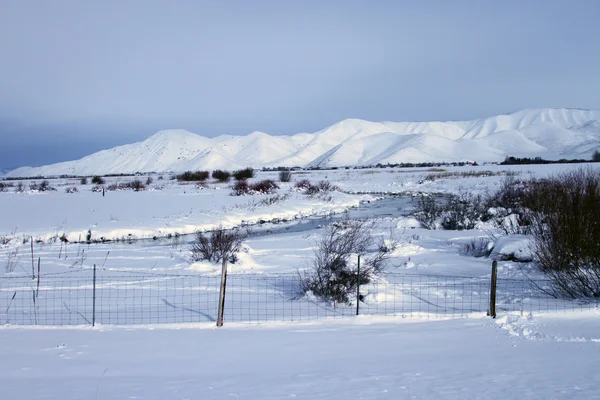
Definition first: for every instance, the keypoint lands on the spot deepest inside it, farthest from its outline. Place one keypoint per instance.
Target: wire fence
(111, 298)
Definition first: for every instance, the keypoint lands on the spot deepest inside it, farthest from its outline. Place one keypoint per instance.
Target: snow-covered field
(544, 357)
(172, 350)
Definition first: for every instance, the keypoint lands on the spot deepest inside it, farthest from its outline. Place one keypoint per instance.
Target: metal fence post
(222, 292)
(358, 286)
(492, 312)
(94, 298)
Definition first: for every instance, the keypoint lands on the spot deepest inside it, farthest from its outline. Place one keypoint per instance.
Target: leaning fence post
(94, 298)
(222, 292)
(358, 286)
(492, 312)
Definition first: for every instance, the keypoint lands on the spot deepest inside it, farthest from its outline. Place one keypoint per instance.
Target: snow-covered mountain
(547, 133)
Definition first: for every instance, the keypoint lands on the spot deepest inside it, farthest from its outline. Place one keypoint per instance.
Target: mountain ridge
(547, 132)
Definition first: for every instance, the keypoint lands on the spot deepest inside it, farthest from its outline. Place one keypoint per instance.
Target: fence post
(222, 292)
(94, 298)
(32, 261)
(37, 291)
(358, 286)
(492, 312)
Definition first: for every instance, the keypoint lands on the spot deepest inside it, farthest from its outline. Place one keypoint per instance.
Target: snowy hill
(547, 133)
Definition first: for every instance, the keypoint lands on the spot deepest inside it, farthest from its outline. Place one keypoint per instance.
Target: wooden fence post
(222, 292)
(492, 312)
(94, 297)
(358, 286)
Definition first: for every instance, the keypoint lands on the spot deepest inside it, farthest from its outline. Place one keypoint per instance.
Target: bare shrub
(334, 275)
(454, 212)
(20, 187)
(4, 186)
(467, 174)
(269, 201)
(221, 176)
(302, 184)
(285, 176)
(43, 186)
(84, 181)
(135, 184)
(72, 189)
(266, 186)
(566, 229)
(481, 247)
(510, 195)
(321, 187)
(243, 174)
(98, 180)
(221, 245)
(190, 176)
(462, 211)
(240, 188)
(427, 211)
(149, 181)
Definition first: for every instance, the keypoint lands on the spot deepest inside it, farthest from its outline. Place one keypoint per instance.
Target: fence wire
(137, 299)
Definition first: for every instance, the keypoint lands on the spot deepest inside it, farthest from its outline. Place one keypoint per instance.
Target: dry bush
(243, 174)
(427, 211)
(84, 181)
(481, 247)
(285, 176)
(266, 186)
(72, 189)
(98, 180)
(453, 212)
(302, 184)
(193, 176)
(221, 245)
(565, 222)
(321, 187)
(221, 176)
(43, 186)
(334, 276)
(462, 211)
(135, 184)
(5, 185)
(240, 188)
(467, 174)
(149, 181)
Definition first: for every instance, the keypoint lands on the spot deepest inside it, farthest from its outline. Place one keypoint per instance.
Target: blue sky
(80, 76)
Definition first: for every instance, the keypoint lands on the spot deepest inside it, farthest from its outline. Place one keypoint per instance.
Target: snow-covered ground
(172, 350)
(544, 357)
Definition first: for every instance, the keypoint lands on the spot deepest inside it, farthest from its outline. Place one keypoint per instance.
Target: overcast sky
(79, 76)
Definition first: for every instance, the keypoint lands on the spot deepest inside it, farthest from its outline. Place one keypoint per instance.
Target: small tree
(221, 245)
(84, 181)
(98, 180)
(596, 156)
